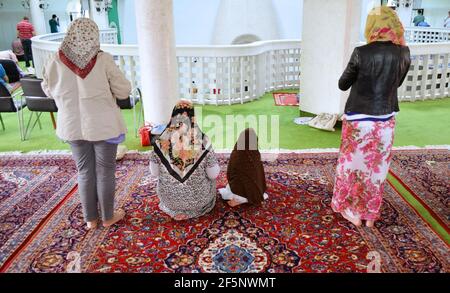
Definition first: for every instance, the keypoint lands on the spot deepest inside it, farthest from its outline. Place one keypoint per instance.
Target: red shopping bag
(145, 134)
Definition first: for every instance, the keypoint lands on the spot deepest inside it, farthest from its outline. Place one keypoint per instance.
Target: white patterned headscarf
(80, 46)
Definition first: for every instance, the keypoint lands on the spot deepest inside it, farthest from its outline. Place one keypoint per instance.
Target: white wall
(405, 15)
(12, 12)
(100, 17)
(58, 7)
(127, 21)
(290, 15)
(194, 20)
(436, 11)
(250, 17)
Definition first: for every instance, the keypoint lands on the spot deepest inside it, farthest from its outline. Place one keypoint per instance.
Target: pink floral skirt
(363, 164)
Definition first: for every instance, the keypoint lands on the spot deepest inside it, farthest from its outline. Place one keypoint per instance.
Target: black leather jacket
(375, 72)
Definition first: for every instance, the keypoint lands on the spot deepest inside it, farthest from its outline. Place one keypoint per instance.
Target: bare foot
(181, 217)
(92, 224)
(233, 203)
(118, 215)
(370, 224)
(354, 221)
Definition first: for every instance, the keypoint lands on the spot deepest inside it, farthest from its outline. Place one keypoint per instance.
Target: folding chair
(10, 105)
(37, 103)
(130, 104)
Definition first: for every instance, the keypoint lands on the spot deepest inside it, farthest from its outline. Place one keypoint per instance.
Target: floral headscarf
(80, 46)
(182, 145)
(383, 24)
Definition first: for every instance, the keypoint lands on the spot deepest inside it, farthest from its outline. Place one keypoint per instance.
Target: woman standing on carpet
(85, 83)
(374, 73)
(245, 172)
(186, 167)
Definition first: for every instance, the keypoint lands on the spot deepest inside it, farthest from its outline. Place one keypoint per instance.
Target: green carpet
(420, 123)
(424, 213)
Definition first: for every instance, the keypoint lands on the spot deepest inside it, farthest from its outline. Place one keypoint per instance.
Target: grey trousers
(96, 164)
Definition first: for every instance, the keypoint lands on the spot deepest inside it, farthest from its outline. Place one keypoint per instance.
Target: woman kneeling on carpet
(85, 84)
(186, 167)
(375, 72)
(245, 173)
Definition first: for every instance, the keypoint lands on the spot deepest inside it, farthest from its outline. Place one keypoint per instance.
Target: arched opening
(245, 39)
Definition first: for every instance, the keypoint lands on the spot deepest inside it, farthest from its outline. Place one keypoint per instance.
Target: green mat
(420, 123)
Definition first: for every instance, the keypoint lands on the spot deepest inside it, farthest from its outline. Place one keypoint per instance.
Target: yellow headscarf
(383, 24)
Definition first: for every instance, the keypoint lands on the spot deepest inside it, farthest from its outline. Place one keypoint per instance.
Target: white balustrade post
(157, 57)
(38, 18)
(260, 67)
(330, 32)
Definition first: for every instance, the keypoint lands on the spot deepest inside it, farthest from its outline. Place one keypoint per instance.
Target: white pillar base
(157, 59)
(330, 32)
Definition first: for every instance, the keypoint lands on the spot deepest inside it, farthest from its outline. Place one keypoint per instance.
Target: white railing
(240, 73)
(45, 45)
(427, 35)
(429, 74)
(209, 74)
(109, 36)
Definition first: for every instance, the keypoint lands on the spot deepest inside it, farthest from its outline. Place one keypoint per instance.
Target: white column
(100, 17)
(366, 7)
(252, 19)
(405, 14)
(330, 32)
(157, 58)
(38, 18)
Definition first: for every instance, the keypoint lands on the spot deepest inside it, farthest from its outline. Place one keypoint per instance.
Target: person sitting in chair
(17, 49)
(9, 55)
(4, 78)
(6, 82)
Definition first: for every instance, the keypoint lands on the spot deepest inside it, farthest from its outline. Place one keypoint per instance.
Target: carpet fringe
(227, 151)
(428, 147)
(335, 150)
(39, 152)
(284, 151)
(11, 153)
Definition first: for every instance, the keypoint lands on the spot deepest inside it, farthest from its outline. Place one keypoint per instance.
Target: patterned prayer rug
(294, 231)
(426, 175)
(31, 187)
(285, 99)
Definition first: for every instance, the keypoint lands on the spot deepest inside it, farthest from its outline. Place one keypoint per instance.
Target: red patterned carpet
(427, 176)
(30, 189)
(294, 231)
(285, 99)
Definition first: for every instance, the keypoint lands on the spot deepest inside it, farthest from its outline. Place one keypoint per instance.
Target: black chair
(10, 105)
(130, 104)
(37, 102)
(11, 70)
